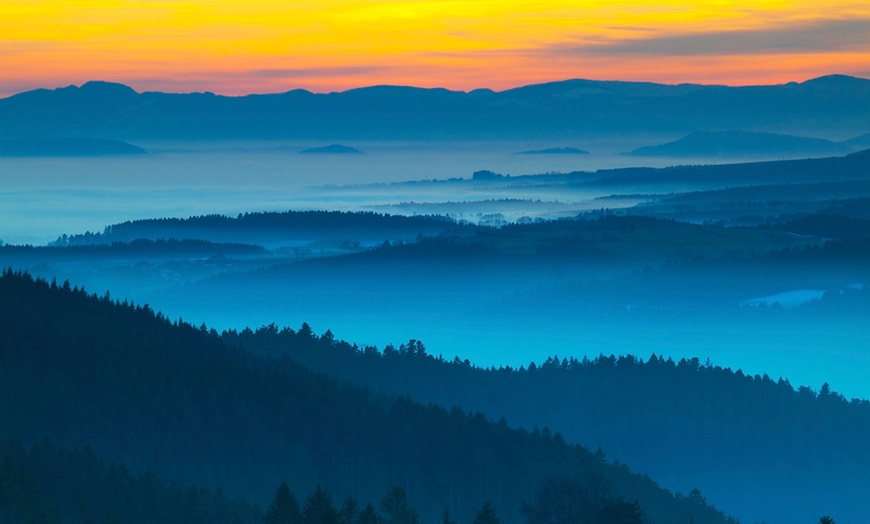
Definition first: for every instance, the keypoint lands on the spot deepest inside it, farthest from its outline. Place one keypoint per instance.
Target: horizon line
(427, 88)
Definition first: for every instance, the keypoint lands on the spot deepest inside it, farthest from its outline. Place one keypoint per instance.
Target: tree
(284, 508)
(369, 516)
(319, 508)
(395, 508)
(349, 511)
(826, 519)
(621, 512)
(486, 514)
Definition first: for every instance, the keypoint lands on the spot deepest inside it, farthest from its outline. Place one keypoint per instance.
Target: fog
(490, 315)
(742, 267)
(42, 198)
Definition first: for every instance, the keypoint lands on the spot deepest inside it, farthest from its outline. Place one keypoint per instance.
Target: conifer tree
(284, 508)
(319, 508)
(486, 515)
(369, 515)
(349, 511)
(395, 507)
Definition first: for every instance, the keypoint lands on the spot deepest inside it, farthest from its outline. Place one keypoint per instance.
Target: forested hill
(753, 443)
(267, 227)
(140, 390)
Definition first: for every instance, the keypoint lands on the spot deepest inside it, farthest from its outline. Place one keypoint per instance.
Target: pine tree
(396, 510)
(369, 515)
(486, 515)
(319, 508)
(349, 511)
(284, 509)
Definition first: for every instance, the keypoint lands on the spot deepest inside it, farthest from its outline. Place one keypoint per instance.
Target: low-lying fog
(42, 198)
(495, 319)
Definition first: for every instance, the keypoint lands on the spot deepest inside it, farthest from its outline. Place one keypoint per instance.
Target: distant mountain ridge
(568, 108)
(743, 143)
(30, 147)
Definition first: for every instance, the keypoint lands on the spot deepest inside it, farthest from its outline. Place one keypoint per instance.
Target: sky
(266, 46)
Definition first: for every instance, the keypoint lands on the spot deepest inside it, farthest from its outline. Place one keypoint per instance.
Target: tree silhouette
(369, 515)
(826, 519)
(284, 509)
(349, 511)
(395, 508)
(319, 508)
(486, 515)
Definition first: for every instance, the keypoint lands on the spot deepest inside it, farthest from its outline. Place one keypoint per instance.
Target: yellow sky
(270, 46)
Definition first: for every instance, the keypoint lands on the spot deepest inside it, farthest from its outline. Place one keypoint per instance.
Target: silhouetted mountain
(66, 147)
(334, 149)
(742, 143)
(177, 400)
(555, 151)
(570, 108)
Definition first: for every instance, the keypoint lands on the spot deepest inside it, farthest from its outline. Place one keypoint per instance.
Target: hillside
(176, 400)
(291, 227)
(758, 444)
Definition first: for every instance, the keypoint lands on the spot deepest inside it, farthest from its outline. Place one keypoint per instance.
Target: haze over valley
(656, 295)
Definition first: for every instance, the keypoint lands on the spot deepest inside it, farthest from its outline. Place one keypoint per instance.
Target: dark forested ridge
(180, 402)
(757, 439)
(268, 227)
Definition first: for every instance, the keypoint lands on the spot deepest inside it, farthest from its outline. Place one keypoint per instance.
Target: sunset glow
(272, 46)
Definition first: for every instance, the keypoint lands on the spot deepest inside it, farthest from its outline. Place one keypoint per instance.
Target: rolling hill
(176, 400)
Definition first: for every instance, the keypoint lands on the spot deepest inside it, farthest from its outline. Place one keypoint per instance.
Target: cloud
(819, 37)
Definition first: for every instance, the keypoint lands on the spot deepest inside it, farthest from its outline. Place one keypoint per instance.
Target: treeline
(680, 419)
(138, 248)
(256, 226)
(578, 396)
(558, 501)
(827, 226)
(590, 237)
(47, 484)
(177, 400)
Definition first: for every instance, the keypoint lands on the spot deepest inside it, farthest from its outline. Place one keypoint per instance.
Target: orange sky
(265, 46)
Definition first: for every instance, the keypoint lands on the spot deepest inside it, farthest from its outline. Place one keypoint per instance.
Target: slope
(176, 400)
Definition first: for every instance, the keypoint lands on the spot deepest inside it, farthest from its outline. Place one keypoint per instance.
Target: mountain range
(572, 108)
